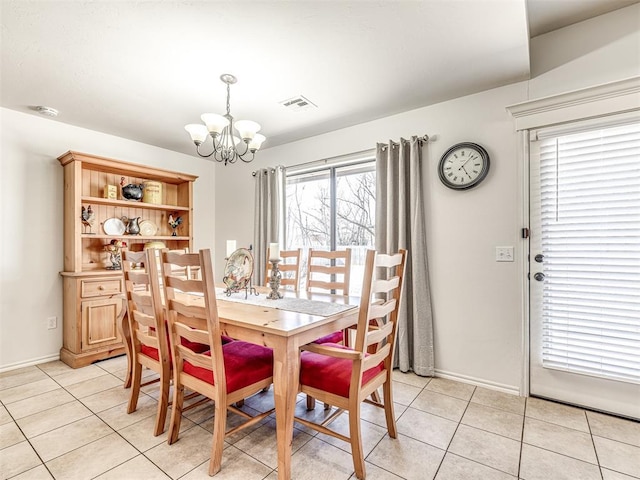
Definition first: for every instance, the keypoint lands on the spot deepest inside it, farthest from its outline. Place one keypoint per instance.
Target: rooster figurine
(88, 217)
(174, 223)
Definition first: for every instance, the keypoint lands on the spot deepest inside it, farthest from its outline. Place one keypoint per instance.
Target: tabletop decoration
(174, 223)
(115, 253)
(276, 275)
(238, 272)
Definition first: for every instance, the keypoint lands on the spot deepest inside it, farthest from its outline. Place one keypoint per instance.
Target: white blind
(590, 197)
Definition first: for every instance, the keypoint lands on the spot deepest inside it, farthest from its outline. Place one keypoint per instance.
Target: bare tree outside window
(321, 215)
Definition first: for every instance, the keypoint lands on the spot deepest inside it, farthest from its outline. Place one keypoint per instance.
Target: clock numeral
(450, 174)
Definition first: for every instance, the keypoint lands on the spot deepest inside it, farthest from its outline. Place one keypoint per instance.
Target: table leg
(286, 370)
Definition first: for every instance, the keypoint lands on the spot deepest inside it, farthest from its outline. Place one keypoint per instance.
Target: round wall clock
(463, 166)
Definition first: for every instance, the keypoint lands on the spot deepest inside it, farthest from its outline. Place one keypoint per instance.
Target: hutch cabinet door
(100, 320)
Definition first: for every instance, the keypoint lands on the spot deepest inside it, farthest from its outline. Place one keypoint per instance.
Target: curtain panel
(269, 216)
(400, 223)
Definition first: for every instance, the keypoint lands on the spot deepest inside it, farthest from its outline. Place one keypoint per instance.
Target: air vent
(298, 104)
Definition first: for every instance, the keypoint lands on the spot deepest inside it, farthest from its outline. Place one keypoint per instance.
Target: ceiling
(143, 69)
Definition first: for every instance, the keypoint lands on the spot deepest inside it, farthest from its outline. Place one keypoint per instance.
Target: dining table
(283, 325)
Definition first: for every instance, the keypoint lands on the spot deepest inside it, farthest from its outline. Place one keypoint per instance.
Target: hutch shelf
(94, 309)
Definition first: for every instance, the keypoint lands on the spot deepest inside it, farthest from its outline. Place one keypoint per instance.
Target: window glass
(333, 209)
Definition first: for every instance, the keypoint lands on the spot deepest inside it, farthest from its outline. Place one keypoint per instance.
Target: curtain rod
(423, 139)
(273, 170)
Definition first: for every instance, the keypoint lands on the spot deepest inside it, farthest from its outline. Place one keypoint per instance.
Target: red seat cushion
(331, 374)
(245, 364)
(150, 352)
(335, 337)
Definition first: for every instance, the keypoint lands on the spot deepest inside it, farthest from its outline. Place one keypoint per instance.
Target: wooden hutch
(94, 308)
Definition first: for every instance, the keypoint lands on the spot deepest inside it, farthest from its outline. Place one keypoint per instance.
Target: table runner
(299, 305)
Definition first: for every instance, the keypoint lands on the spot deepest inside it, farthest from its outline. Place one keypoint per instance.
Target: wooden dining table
(285, 331)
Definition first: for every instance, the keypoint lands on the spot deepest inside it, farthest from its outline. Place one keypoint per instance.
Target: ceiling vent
(298, 104)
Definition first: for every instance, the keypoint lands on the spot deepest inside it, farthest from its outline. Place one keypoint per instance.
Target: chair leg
(388, 409)
(219, 429)
(311, 402)
(375, 396)
(163, 401)
(356, 441)
(136, 379)
(176, 412)
(327, 406)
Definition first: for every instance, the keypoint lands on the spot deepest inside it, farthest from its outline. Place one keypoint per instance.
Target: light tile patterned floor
(56, 422)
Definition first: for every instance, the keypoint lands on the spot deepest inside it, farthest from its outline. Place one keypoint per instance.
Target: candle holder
(274, 280)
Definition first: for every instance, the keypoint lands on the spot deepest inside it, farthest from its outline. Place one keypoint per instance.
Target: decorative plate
(148, 228)
(239, 268)
(113, 226)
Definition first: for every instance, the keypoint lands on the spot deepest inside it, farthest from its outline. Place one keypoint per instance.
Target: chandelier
(232, 140)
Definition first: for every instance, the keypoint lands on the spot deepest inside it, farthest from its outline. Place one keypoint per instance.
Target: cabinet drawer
(97, 288)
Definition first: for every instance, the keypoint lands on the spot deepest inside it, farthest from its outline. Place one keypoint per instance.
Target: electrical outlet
(504, 254)
(52, 322)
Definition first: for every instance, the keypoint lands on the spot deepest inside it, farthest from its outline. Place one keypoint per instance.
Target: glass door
(585, 267)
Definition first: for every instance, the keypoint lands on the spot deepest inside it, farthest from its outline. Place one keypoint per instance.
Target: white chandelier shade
(231, 140)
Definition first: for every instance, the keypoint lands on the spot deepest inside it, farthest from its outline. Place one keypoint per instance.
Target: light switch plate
(504, 254)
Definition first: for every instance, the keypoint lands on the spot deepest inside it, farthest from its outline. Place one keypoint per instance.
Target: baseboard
(513, 390)
(29, 363)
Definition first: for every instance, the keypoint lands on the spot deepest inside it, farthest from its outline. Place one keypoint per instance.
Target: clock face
(463, 166)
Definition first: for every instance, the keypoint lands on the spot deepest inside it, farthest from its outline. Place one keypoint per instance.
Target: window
(590, 203)
(333, 208)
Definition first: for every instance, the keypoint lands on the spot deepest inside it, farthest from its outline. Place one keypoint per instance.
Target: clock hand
(468, 159)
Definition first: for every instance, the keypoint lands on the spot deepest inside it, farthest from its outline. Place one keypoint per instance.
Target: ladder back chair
(226, 373)
(149, 341)
(333, 263)
(290, 268)
(337, 265)
(346, 377)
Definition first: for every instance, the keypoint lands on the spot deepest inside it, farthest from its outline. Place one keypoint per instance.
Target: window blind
(590, 206)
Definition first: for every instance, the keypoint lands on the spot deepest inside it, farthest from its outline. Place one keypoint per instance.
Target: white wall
(477, 302)
(31, 213)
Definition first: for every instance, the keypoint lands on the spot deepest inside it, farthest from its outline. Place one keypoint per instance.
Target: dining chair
(290, 268)
(149, 341)
(336, 265)
(226, 373)
(347, 376)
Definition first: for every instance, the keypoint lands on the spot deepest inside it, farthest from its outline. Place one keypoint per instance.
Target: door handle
(539, 276)
(539, 258)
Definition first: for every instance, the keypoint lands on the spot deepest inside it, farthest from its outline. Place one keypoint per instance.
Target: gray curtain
(269, 216)
(400, 223)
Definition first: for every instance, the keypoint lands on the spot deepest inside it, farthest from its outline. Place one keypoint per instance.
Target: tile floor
(56, 422)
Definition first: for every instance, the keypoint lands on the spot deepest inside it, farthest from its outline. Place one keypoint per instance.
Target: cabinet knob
(101, 287)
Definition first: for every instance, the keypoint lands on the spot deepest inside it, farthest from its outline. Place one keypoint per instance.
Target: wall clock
(463, 166)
